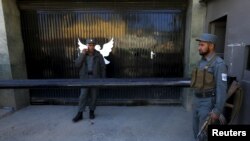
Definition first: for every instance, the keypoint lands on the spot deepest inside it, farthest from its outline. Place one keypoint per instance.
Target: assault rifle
(203, 131)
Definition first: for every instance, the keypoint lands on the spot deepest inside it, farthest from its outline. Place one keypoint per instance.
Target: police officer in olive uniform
(209, 79)
(91, 65)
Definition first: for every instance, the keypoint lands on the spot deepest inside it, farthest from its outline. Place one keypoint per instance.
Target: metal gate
(148, 42)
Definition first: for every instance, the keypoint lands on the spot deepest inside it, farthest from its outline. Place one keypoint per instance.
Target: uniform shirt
(98, 65)
(90, 61)
(219, 70)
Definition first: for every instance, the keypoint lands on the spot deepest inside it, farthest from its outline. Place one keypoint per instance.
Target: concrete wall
(6, 96)
(237, 38)
(12, 62)
(237, 31)
(195, 21)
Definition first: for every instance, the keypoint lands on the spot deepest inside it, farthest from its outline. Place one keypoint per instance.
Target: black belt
(90, 73)
(204, 94)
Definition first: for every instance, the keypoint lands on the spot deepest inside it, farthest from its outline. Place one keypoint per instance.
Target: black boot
(91, 114)
(77, 117)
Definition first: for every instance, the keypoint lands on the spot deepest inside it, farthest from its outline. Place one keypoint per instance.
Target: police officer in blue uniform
(209, 79)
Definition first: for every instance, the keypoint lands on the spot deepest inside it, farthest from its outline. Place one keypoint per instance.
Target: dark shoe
(77, 117)
(91, 114)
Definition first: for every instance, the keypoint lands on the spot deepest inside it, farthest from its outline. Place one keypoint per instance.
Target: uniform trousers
(201, 109)
(88, 95)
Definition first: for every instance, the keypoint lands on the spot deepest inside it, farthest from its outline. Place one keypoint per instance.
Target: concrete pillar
(12, 57)
(196, 16)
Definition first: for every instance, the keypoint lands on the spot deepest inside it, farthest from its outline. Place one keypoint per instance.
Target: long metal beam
(108, 82)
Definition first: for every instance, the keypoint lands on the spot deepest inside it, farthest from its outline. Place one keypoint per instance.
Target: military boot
(91, 114)
(77, 117)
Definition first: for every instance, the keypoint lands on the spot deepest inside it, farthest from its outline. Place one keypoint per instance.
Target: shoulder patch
(224, 77)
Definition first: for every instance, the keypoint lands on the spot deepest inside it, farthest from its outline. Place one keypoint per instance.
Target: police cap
(90, 41)
(206, 37)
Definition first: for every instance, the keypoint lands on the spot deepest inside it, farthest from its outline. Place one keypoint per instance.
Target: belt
(204, 94)
(90, 73)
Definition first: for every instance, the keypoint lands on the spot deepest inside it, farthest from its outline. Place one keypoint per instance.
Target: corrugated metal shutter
(147, 43)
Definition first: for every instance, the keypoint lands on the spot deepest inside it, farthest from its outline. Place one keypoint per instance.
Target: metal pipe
(109, 82)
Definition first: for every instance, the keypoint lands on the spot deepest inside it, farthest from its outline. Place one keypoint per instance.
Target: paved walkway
(5, 112)
(112, 123)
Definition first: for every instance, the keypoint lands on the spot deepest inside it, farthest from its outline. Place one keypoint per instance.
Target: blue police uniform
(212, 100)
(204, 105)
